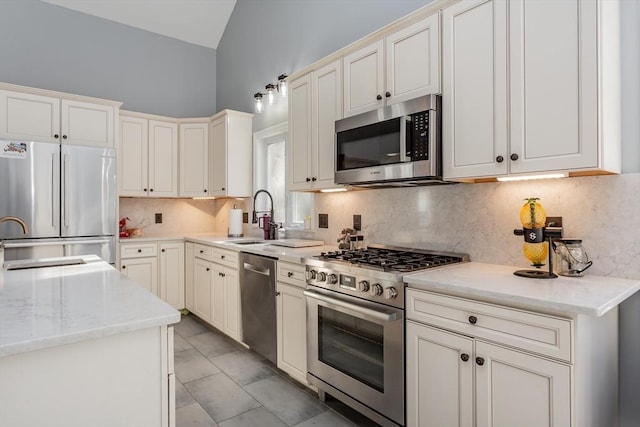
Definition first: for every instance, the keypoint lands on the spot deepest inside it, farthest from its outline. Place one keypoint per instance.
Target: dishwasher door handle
(251, 267)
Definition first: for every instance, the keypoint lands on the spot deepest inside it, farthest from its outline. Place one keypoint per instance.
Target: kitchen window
(269, 154)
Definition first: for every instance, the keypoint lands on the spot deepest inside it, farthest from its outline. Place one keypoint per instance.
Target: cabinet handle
(388, 94)
(277, 294)
(139, 251)
(464, 357)
(64, 136)
(314, 179)
(473, 320)
(124, 266)
(514, 157)
(207, 268)
(289, 274)
(379, 97)
(499, 159)
(56, 136)
(480, 361)
(308, 179)
(219, 274)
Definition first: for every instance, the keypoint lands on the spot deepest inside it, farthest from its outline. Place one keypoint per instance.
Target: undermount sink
(25, 264)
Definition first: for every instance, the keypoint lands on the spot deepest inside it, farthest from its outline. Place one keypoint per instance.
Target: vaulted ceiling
(200, 22)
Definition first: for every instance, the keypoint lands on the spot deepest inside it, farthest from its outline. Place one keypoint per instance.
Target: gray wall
(51, 47)
(264, 39)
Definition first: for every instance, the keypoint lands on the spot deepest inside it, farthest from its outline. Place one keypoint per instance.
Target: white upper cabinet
(148, 159)
(364, 79)
(53, 119)
(194, 159)
(231, 167)
(403, 65)
(315, 103)
(530, 87)
(413, 60)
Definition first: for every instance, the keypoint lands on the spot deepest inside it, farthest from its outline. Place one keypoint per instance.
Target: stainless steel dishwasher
(258, 300)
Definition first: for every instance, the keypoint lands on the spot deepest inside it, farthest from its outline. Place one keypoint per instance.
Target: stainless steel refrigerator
(66, 194)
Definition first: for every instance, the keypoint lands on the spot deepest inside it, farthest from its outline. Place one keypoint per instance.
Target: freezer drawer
(104, 247)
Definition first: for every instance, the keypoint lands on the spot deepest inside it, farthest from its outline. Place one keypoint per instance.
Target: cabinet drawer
(225, 257)
(138, 250)
(293, 274)
(203, 251)
(538, 333)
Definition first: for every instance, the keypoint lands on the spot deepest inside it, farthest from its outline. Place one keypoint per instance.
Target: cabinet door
(554, 85)
(26, 116)
(327, 108)
(84, 123)
(163, 159)
(132, 158)
(217, 296)
(291, 314)
(202, 280)
(519, 389)
(171, 275)
(364, 79)
(474, 89)
(239, 154)
(189, 275)
(439, 380)
(144, 271)
(232, 303)
(413, 60)
(300, 128)
(194, 160)
(219, 157)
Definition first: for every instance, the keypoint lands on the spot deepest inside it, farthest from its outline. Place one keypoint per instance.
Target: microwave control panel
(420, 136)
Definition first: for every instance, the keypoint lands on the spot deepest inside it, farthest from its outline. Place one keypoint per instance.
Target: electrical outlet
(158, 218)
(357, 222)
(245, 217)
(323, 220)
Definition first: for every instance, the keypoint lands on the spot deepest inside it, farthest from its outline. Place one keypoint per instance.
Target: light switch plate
(323, 220)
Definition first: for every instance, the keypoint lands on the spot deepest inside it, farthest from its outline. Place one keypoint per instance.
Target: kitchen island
(83, 345)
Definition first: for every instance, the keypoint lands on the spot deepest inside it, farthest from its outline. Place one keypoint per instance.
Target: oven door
(357, 347)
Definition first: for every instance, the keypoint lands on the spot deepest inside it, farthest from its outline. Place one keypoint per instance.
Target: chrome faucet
(25, 230)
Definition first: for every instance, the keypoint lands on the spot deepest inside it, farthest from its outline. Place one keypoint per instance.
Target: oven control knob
(311, 274)
(363, 286)
(376, 290)
(332, 279)
(390, 293)
(322, 276)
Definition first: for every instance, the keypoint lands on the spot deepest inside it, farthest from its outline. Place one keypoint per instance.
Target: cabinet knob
(64, 136)
(201, 251)
(205, 190)
(289, 274)
(499, 159)
(308, 179)
(162, 250)
(379, 97)
(514, 157)
(151, 189)
(473, 320)
(480, 361)
(388, 94)
(219, 274)
(56, 136)
(222, 189)
(208, 268)
(124, 266)
(222, 256)
(144, 189)
(314, 179)
(464, 357)
(277, 294)
(139, 251)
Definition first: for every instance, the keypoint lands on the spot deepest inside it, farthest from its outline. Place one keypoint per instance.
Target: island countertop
(590, 295)
(46, 307)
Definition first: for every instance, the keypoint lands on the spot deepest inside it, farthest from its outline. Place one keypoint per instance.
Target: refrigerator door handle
(53, 190)
(64, 192)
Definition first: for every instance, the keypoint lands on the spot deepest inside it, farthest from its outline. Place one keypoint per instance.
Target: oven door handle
(376, 314)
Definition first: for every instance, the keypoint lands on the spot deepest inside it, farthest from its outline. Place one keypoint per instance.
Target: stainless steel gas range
(355, 325)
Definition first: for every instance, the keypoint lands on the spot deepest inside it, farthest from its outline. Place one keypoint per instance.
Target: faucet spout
(254, 218)
(25, 229)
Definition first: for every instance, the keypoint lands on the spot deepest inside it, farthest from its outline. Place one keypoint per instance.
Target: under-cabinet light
(528, 177)
(204, 198)
(333, 190)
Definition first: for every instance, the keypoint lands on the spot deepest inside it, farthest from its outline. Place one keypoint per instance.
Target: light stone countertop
(46, 307)
(590, 295)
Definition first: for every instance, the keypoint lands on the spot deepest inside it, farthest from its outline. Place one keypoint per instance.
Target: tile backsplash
(178, 215)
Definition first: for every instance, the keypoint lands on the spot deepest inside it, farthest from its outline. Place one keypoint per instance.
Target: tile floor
(220, 383)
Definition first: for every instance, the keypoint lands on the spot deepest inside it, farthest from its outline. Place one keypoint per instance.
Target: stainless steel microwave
(398, 145)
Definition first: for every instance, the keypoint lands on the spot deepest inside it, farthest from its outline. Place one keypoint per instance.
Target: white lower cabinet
(144, 271)
(171, 273)
(188, 275)
(291, 315)
(202, 288)
(466, 368)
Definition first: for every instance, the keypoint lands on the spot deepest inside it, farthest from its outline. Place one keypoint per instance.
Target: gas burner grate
(392, 260)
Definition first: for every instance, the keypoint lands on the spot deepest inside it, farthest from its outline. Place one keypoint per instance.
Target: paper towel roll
(235, 223)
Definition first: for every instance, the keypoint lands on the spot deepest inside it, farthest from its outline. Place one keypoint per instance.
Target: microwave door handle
(403, 139)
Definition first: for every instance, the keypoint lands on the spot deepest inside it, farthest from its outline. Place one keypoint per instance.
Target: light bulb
(258, 105)
(270, 89)
(283, 85)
